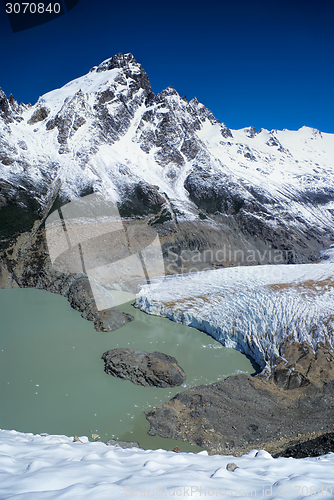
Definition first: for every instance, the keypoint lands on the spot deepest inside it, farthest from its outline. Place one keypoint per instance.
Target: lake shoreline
(58, 375)
(290, 435)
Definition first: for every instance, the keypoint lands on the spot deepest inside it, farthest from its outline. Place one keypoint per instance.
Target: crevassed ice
(253, 309)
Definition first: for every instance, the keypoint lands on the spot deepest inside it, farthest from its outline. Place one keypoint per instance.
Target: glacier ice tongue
(253, 309)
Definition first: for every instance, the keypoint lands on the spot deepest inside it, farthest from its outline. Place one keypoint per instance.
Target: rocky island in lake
(144, 368)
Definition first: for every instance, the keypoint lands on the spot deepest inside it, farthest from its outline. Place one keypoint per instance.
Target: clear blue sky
(262, 63)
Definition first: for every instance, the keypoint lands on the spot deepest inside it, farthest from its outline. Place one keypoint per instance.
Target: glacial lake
(52, 377)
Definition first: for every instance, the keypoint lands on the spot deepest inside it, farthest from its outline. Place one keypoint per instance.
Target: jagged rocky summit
(216, 197)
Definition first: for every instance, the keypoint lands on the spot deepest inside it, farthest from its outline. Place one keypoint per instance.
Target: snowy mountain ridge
(107, 132)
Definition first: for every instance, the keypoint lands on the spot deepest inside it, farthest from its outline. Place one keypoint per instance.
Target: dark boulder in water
(143, 368)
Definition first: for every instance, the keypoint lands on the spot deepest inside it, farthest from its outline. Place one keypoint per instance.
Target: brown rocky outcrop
(299, 365)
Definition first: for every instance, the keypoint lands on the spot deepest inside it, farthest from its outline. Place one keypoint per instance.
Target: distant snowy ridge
(253, 309)
(36, 467)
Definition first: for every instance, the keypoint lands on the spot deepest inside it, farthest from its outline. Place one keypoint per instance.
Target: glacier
(254, 309)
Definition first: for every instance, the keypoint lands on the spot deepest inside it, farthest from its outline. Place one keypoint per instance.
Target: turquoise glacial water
(52, 377)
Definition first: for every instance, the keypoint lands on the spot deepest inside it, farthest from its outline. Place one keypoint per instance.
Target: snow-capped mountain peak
(161, 155)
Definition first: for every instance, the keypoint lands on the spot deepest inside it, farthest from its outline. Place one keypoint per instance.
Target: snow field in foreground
(38, 467)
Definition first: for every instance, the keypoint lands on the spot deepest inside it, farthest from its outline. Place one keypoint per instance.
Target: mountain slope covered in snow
(202, 185)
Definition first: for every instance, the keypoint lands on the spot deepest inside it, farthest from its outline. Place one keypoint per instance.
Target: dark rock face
(24, 263)
(289, 379)
(143, 368)
(39, 115)
(299, 366)
(4, 105)
(19, 210)
(140, 200)
(10, 110)
(214, 192)
(321, 445)
(241, 413)
(123, 444)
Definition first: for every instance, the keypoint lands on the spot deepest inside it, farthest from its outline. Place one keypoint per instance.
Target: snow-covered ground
(253, 308)
(55, 467)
